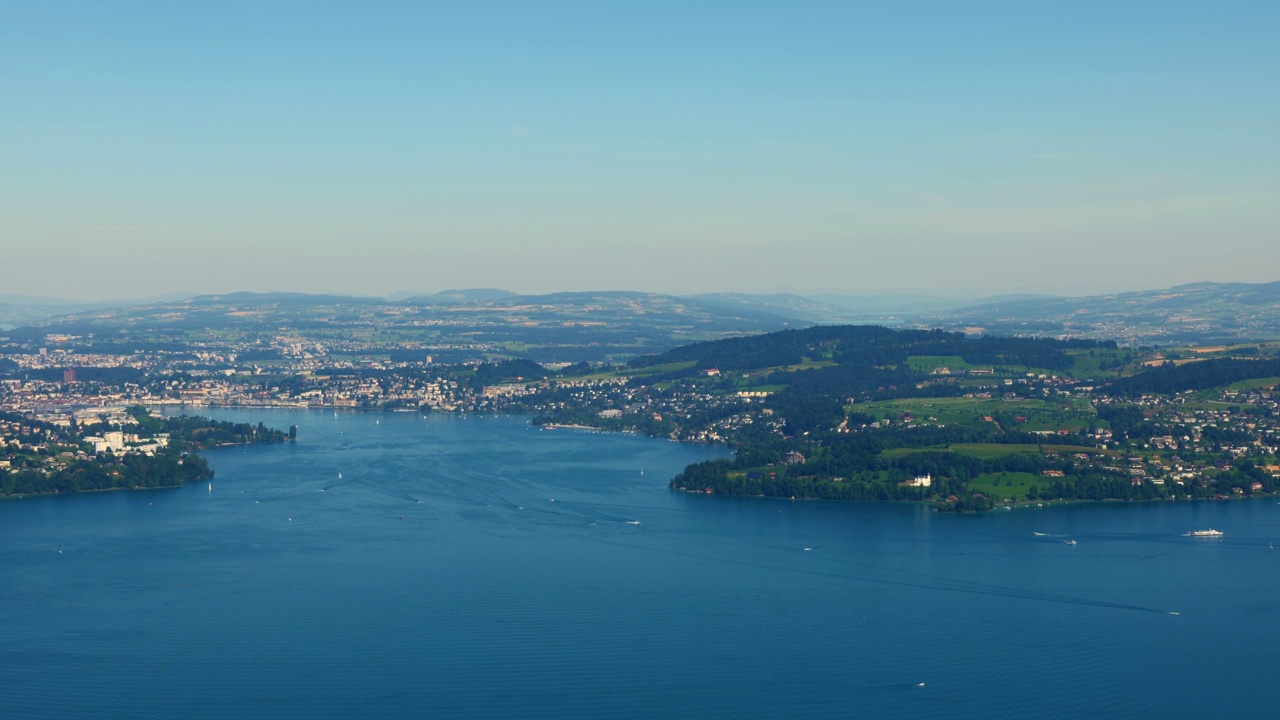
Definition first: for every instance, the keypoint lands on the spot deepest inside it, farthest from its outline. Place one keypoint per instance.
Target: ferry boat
(1205, 533)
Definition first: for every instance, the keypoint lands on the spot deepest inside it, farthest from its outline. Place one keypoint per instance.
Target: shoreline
(1020, 505)
(136, 488)
(195, 448)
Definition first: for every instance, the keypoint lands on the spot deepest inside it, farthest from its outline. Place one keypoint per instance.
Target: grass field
(988, 451)
(1072, 415)
(929, 363)
(1255, 384)
(1072, 449)
(806, 365)
(1089, 363)
(658, 369)
(760, 388)
(1005, 485)
(982, 451)
(1211, 404)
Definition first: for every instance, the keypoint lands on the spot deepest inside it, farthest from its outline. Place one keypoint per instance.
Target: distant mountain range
(1195, 313)
(465, 296)
(1186, 314)
(450, 327)
(20, 310)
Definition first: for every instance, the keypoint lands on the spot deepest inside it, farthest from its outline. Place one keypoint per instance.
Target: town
(1004, 432)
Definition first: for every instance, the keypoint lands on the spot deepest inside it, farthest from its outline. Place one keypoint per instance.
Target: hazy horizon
(936, 149)
(817, 295)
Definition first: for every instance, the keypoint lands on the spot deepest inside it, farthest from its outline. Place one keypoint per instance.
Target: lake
(390, 565)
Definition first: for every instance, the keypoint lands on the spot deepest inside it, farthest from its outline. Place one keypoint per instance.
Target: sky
(369, 148)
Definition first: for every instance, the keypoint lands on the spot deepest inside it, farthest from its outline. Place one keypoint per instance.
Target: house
(920, 481)
(793, 458)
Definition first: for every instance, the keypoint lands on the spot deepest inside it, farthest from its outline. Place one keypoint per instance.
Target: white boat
(1205, 533)
(1072, 541)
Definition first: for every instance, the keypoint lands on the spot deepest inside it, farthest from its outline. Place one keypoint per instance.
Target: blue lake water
(480, 568)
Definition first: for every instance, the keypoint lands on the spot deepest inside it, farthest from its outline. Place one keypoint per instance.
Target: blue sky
(929, 147)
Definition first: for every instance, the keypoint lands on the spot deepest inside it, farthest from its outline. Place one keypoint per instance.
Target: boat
(1072, 541)
(1205, 533)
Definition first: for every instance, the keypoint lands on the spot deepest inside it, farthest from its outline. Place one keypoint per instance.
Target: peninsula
(113, 450)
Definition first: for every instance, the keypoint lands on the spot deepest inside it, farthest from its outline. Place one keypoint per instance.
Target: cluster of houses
(118, 442)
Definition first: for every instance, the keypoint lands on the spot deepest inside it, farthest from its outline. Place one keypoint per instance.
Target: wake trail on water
(971, 588)
(590, 512)
(928, 582)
